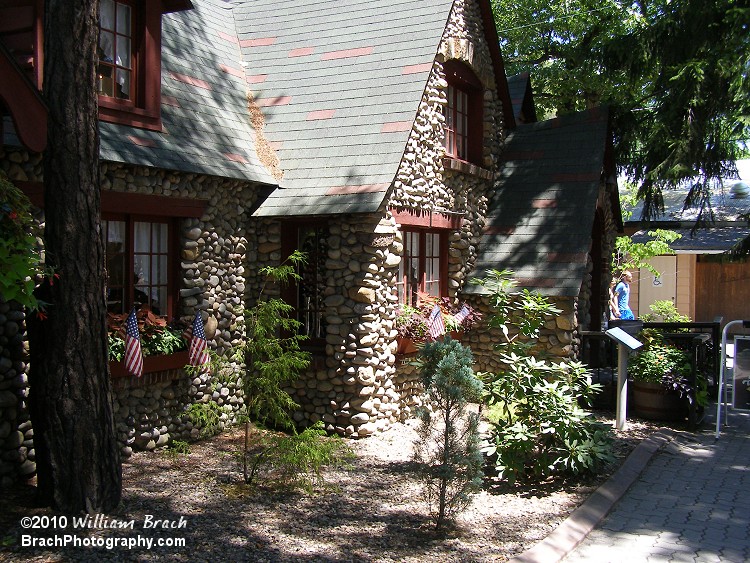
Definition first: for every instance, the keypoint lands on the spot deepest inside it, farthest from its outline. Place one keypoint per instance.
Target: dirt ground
(372, 510)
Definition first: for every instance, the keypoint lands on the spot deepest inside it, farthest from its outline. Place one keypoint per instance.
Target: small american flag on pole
(198, 353)
(435, 325)
(461, 315)
(133, 355)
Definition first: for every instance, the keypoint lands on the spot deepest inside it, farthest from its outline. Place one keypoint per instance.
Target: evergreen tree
(448, 449)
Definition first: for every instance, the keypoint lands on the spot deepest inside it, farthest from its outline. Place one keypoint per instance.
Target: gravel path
(372, 512)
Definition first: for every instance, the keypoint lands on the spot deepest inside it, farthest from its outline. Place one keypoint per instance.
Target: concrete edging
(586, 517)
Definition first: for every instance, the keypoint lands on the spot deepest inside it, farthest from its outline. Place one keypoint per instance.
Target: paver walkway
(691, 503)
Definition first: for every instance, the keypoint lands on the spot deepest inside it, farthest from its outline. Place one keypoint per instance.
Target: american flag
(133, 355)
(435, 325)
(198, 353)
(461, 315)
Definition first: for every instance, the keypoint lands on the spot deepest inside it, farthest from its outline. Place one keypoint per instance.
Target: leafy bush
(664, 311)
(272, 351)
(206, 417)
(670, 366)
(657, 360)
(540, 429)
(448, 449)
(519, 314)
(20, 253)
(176, 448)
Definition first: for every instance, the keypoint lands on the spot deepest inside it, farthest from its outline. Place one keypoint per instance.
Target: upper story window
(464, 135)
(423, 266)
(129, 66)
(115, 68)
(457, 123)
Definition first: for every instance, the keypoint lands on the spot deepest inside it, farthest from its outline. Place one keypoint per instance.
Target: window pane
(106, 46)
(159, 270)
(159, 237)
(123, 51)
(123, 19)
(123, 84)
(107, 14)
(114, 236)
(142, 237)
(141, 269)
(159, 307)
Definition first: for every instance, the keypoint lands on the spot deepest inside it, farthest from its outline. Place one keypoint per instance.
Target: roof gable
(540, 218)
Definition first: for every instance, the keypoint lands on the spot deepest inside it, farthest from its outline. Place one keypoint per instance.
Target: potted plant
(662, 388)
(412, 322)
(163, 345)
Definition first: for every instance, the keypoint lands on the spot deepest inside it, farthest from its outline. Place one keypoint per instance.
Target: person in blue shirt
(622, 292)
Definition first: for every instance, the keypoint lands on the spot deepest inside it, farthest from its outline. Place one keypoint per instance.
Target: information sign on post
(625, 345)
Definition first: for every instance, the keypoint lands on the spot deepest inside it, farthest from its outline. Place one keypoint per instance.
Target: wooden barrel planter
(653, 402)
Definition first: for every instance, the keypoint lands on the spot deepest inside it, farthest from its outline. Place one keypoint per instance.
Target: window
(115, 50)
(423, 266)
(129, 67)
(138, 265)
(464, 137)
(457, 123)
(312, 240)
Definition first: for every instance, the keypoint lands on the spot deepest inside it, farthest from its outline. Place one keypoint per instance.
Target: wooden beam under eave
(24, 103)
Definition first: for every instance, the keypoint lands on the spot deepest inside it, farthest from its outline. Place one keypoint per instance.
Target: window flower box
(412, 323)
(152, 364)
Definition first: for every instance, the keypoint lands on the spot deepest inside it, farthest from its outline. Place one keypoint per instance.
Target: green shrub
(176, 448)
(297, 460)
(206, 417)
(20, 249)
(670, 366)
(664, 311)
(540, 429)
(448, 449)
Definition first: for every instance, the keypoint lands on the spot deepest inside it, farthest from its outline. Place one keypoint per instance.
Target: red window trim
(461, 77)
(172, 256)
(443, 273)
(427, 219)
(134, 204)
(144, 111)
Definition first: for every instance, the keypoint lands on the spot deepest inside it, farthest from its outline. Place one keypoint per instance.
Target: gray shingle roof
(339, 82)
(540, 219)
(204, 105)
(519, 88)
(711, 240)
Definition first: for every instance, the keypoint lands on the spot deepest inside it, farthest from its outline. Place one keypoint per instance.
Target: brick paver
(691, 503)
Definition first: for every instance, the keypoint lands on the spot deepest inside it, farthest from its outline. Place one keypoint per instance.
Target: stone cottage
(369, 136)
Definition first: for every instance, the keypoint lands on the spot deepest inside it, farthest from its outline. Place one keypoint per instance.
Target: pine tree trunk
(78, 466)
